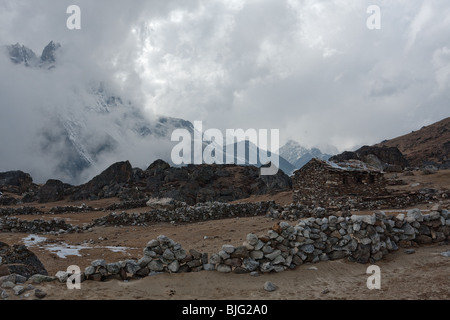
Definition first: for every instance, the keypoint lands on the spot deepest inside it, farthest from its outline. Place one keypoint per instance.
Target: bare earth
(424, 274)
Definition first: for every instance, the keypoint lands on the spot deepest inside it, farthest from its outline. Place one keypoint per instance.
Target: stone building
(328, 184)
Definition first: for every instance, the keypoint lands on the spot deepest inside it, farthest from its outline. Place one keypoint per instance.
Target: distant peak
(48, 54)
(20, 54)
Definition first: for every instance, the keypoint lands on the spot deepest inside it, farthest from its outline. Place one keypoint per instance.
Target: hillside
(429, 145)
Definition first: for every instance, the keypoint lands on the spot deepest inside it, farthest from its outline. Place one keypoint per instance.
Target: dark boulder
(52, 191)
(387, 156)
(108, 184)
(19, 260)
(15, 181)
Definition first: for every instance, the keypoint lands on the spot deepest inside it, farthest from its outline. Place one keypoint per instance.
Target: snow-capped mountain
(292, 151)
(82, 127)
(298, 155)
(25, 56)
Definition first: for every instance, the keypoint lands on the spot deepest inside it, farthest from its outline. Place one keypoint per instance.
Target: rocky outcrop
(202, 183)
(19, 260)
(15, 181)
(53, 190)
(107, 184)
(381, 157)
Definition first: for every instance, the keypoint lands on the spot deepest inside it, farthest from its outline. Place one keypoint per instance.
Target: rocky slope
(429, 145)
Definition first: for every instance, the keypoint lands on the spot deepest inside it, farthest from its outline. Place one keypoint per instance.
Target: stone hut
(328, 184)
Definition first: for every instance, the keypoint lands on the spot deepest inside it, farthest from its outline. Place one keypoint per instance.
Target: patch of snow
(62, 250)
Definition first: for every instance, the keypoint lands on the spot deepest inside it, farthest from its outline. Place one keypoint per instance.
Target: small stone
(8, 285)
(266, 267)
(250, 264)
(62, 276)
(274, 254)
(256, 254)
(180, 254)
(4, 294)
(209, 267)
(409, 251)
(223, 268)
(168, 255)
(143, 262)
(215, 259)
(255, 274)
(89, 271)
(228, 248)
(446, 254)
(307, 248)
(39, 278)
(40, 294)
(152, 243)
(252, 239)
(313, 268)
(156, 265)
(20, 279)
(98, 263)
(240, 252)
(18, 290)
(174, 266)
(415, 215)
(150, 253)
(269, 286)
(132, 266)
(223, 255)
(325, 291)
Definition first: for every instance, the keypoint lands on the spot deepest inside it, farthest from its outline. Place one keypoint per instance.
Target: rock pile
(19, 260)
(16, 284)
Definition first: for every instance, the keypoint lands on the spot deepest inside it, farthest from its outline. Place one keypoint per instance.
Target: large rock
(108, 184)
(52, 191)
(374, 155)
(18, 259)
(15, 181)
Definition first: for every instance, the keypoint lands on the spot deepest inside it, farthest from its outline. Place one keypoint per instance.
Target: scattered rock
(4, 295)
(269, 286)
(39, 278)
(18, 290)
(40, 294)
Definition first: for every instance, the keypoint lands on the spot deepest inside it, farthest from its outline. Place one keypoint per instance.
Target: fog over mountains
(61, 123)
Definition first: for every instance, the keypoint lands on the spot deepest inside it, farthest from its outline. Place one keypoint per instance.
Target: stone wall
(183, 214)
(186, 214)
(360, 239)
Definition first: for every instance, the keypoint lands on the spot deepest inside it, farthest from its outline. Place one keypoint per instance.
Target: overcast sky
(309, 68)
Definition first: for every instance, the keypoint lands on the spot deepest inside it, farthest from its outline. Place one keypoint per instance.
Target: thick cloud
(309, 68)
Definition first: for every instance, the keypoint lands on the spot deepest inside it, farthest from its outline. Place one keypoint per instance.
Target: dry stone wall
(362, 239)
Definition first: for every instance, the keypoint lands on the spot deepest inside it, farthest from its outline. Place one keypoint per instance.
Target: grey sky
(309, 68)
